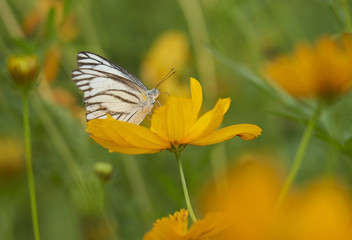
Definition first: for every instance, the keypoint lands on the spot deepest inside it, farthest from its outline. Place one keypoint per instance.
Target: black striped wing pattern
(110, 89)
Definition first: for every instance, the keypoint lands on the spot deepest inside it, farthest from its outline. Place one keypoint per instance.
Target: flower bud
(23, 69)
(103, 170)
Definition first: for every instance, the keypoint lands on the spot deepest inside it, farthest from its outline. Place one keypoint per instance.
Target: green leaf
(50, 31)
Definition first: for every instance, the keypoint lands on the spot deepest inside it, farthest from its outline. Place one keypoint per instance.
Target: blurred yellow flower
(175, 227)
(173, 126)
(170, 49)
(11, 157)
(322, 71)
(249, 194)
(321, 211)
(23, 69)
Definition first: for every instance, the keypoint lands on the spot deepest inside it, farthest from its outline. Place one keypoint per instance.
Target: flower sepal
(177, 148)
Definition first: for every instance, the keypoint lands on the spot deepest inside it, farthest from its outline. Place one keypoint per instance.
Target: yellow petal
(135, 151)
(179, 112)
(125, 134)
(113, 147)
(173, 227)
(244, 131)
(176, 118)
(321, 212)
(158, 122)
(106, 143)
(136, 135)
(248, 194)
(209, 122)
(210, 226)
(197, 98)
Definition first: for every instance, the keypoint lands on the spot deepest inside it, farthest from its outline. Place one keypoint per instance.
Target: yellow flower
(173, 126)
(23, 69)
(321, 211)
(323, 71)
(175, 227)
(170, 49)
(249, 193)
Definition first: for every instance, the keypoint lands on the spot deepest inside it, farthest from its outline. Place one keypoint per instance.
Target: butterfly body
(110, 89)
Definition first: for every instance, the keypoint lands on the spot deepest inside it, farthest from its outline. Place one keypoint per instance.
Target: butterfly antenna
(167, 76)
(165, 93)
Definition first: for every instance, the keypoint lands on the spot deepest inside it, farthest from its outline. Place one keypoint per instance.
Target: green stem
(9, 20)
(58, 140)
(218, 161)
(31, 185)
(308, 133)
(332, 161)
(200, 39)
(336, 15)
(184, 186)
(105, 216)
(346, 11)
(135, 177)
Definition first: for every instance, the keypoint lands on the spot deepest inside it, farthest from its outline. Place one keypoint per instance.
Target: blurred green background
(224, 44)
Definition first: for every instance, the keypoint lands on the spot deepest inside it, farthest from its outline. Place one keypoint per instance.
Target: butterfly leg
(157, 104)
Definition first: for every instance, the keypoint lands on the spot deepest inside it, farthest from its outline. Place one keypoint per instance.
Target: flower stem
(58, 140)
(200, 38)
(135, 177)
(184, 186)
(336, 15)
(31, 185)
(10, 21)
(308, 133)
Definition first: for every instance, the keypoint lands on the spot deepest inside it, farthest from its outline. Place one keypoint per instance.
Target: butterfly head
(153, 95)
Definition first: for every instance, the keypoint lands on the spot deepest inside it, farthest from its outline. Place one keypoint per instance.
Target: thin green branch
(10, 21)
(308, 133)
(200, 38)
(28, 149)
(348, 23)
(138, 184)
(184, 186)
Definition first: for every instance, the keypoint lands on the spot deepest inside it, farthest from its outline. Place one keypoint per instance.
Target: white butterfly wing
(108, 88)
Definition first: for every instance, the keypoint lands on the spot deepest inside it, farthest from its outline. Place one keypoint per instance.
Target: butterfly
(111, 89)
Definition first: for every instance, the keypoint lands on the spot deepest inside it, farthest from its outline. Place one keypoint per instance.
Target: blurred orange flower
(173, 126)
(175, 227)
(321, 211)
(249, 193)
(170, 49)
(322, 71)
(51, 63)
(65, 24)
